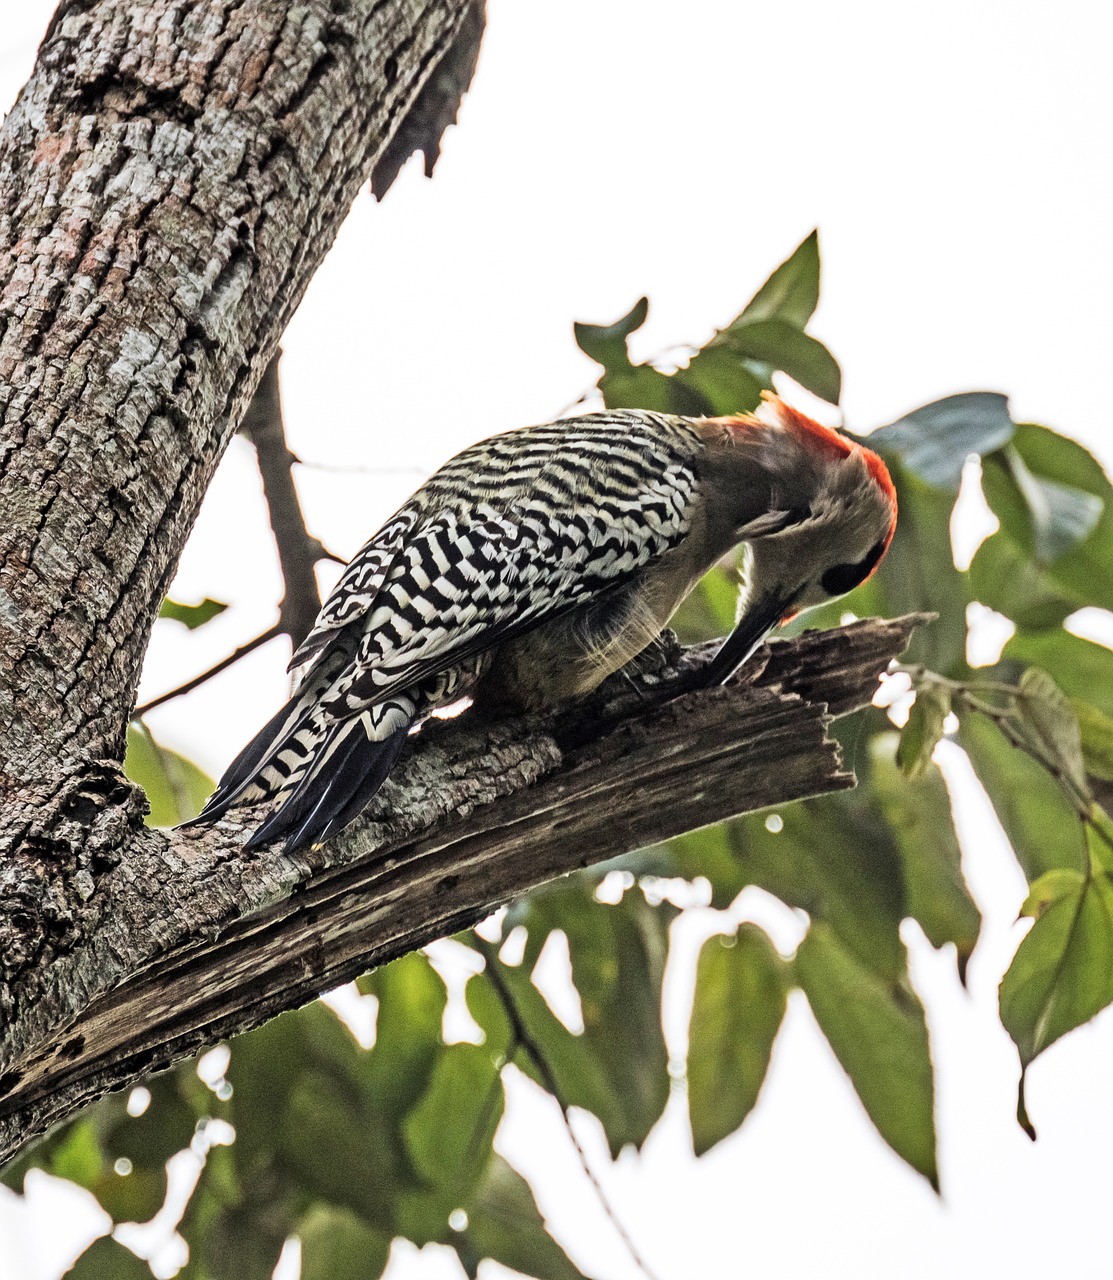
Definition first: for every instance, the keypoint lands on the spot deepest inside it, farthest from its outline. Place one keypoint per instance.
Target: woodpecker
(534, 564)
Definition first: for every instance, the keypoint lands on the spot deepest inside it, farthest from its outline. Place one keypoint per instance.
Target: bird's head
(816, 511)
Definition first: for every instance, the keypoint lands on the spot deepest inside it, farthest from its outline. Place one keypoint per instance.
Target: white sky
(956, 160)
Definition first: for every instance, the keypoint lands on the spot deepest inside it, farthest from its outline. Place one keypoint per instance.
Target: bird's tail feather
(344, 775)
(317, 768)
(264, 767)
(318, 772)
(249, 777)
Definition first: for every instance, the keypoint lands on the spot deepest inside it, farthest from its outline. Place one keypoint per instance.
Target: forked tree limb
(190, 940)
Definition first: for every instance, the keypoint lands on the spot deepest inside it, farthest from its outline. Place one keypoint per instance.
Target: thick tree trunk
(169, 180)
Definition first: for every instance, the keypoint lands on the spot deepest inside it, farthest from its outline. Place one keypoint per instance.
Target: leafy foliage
(349, 1148)
(878, 1033)
(741, 994)
(191, 615)
(617, 1066)
(729, 374)
(934, 442)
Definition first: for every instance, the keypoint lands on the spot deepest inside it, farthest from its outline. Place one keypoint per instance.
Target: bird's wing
(523, 530)
(358, 586)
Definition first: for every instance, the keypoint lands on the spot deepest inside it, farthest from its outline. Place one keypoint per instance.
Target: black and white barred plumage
(534, 564)
(511, 533)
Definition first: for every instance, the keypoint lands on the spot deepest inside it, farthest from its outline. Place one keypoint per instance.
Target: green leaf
(792, 292)
(729, 374)
(85, 1150)
(1041, 825)
(626, 385)
(1082, 669)
(643, 387)
(167, 1125)
(376, 1143)
(726, 382)
(202, 1226)
(504, 1224)
(1050, 526)
(923, 731)
(176, 788)
(618, 1067)
(192, 615)
(1059, 516)
(1051, 725)
(107, 1260)
(606, 343)
(741, 993)
(1006, 578)
(408, 1033)
(131, 1197)
(1063, 882)
(1062, 973)
(836, 858)
(878, 1033)
(918, 812)
(243, 1241)
(78, 1158)
(710, 611)
(1096, 729)
(618, 964)
(450, 1129)
(709, 854)
(337, 1245)
(860, 862)
(783, 346)
(304, 1074)
(178, 1102)
(1099, 841)
(74, 1151)
(935, 440)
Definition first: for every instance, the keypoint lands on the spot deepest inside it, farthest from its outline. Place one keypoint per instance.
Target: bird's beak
(755, 624)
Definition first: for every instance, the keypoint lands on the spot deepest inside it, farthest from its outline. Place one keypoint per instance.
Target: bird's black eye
(845, 577)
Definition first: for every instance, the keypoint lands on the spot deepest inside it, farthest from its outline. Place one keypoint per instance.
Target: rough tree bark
(169, 180)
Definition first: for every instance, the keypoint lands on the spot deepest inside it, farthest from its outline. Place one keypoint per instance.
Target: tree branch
(228, 660)
(187, 940)
(436, 105)
(298, 551)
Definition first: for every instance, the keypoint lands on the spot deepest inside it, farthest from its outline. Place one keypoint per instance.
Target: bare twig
(521, 1038)
(222, 665)
(298, 551)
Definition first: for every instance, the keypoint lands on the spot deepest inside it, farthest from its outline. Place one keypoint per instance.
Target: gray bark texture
(169, 180)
